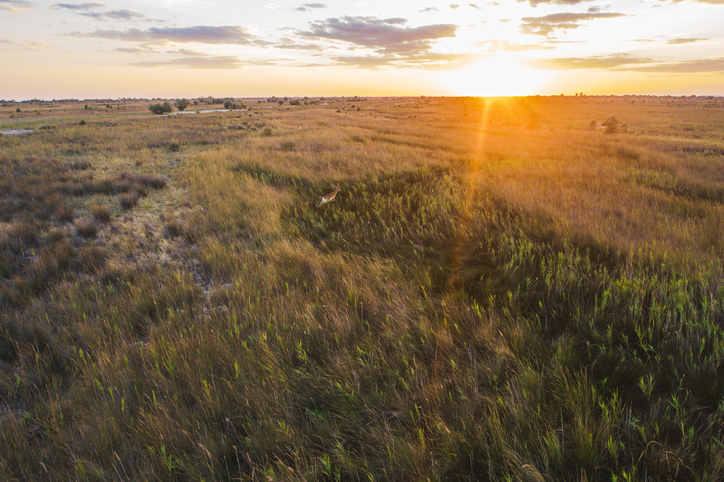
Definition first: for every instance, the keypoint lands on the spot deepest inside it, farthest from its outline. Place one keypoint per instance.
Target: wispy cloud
(25, 45)
(429, 9)
(687, 66)
(125, 14)
(595, 62)
(222, 62)
(234, 35)
(139, 49)
(535, 3)
(430, 61)
(310, 6)
(710, 2)
(290, 44)
(626, 62)
(387, 35)
(15, 6)
(505, 46)
(562, 21)
(680, 41)
(77, 6)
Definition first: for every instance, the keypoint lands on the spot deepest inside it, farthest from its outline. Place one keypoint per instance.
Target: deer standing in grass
(329, 197)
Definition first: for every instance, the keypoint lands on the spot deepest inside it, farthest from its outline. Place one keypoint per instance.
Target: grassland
(501, 291)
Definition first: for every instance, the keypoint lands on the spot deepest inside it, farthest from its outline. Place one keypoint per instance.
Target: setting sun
(495, 76)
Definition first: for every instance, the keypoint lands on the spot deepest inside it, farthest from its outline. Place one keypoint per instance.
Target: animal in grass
(329, 197)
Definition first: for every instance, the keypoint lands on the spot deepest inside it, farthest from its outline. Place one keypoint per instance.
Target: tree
(181, 104)
(159, 109)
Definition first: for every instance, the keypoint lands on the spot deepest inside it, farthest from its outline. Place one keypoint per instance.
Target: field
(504, 289)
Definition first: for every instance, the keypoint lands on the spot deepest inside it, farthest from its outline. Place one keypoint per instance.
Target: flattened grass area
(498, 292)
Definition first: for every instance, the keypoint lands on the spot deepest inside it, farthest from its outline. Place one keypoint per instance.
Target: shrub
(592, 125)
(288, 147)
(159, 109)
(611, 125)
(266, 132)
(181, 104)
(82, 123)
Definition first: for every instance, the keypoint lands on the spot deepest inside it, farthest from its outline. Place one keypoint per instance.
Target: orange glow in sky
(190, 48)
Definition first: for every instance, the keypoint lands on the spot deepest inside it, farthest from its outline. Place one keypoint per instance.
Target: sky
(243, 48)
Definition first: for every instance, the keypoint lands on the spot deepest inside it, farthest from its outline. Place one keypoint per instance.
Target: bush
(266, 132)
(160, 109)
(181, 104)
(82, 123)
(611, 125)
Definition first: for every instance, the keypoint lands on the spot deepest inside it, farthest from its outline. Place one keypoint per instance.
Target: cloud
(190, 53)
(596, 62)
(140, 49)
(386, 35)
(430, 9)
(561, 21)
(428, 61)
(505, 46)
(686, 66)
(535, 3)
(625, 62)
(289, 44)
(307, 6)
(710, 2)
(15, 6)
(124, 14)
(29, 46)
(454, 6)
(679, 41)
(223, 62)
(35, 45)
(77, 6)
(472, 5)
(235, 35)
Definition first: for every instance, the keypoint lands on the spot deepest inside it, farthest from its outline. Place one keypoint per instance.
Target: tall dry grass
(497, 293)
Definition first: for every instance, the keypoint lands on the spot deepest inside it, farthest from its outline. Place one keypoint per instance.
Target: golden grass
(498, 292)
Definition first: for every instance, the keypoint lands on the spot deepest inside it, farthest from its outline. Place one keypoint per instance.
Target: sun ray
(469, 192)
